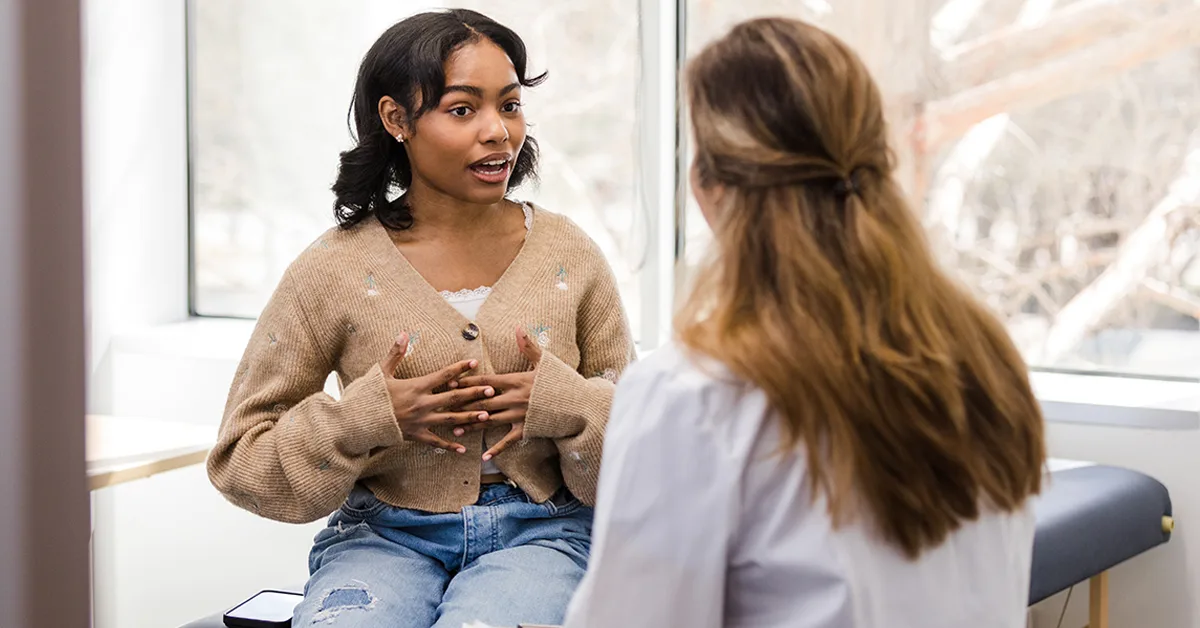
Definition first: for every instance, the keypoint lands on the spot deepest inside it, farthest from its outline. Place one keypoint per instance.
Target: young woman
(462, 464)
(841, 437)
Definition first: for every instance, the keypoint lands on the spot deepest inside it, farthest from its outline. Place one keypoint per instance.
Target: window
(1059, 170)
(1054, 147)
(271, 83)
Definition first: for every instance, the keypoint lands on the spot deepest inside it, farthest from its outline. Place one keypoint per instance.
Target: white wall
(1160, 587)
(170, 549)
(43, 493)
(167, 549)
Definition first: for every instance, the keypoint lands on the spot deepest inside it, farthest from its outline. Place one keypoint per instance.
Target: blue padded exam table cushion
(1090, 519)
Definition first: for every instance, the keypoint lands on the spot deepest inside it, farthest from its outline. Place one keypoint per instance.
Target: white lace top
(468, 302)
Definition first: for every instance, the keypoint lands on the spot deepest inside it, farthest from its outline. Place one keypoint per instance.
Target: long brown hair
(912, 402)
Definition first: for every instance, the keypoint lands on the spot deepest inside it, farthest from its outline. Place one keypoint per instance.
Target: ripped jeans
(503, 561)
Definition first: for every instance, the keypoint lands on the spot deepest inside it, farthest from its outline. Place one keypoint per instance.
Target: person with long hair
(477, 339)
(840, 436)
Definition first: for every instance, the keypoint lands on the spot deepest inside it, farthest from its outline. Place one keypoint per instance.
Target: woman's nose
(495, 130)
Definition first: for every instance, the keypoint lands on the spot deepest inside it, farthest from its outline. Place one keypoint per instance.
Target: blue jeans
(503, 561)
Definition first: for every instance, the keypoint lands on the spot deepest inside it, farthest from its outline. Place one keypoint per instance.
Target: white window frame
(134, 335)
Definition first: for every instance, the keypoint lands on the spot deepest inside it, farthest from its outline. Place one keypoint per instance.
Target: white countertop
(121, 449)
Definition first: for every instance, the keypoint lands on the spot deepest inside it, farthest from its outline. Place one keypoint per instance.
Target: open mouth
(492, 169)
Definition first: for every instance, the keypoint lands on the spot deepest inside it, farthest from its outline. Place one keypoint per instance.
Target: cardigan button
(471, 331)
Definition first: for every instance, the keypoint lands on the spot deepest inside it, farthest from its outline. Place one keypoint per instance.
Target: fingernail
(473, 363)
(462, 450)
(452, 385)
(487, 457)
(483, 416)
(489, 391)
(400, 339)
(459, 431)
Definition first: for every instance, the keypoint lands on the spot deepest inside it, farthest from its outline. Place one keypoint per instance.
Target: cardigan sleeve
(571, 406)
(285, 449)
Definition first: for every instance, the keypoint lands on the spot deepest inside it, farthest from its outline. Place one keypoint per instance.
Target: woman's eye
(460, 111)
(511, 107)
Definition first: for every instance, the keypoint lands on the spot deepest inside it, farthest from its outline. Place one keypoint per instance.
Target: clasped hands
(451, 397)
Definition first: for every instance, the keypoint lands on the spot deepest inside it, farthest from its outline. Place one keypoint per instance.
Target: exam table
(1091, 518)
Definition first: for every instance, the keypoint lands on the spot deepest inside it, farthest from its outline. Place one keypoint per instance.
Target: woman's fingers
(394, 355)
(530, 349)
(433, 440)
(458, 398)
(517, 432)
(495, 381)
(494, 418)
(448, 374)
(485, 405)
(456, 418)
(503, 401)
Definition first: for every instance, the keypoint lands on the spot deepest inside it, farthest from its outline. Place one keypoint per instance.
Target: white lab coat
(701, 523)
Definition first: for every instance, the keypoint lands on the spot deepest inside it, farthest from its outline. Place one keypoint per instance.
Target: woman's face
(466, 147)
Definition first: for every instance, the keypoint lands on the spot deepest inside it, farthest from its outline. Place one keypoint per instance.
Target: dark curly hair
(406, 60)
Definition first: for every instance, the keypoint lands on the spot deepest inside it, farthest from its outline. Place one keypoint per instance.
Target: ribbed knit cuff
(369, 420)
(559, 402)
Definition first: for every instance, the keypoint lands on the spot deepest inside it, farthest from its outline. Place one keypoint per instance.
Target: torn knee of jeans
(342, 528)
(354, 596)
